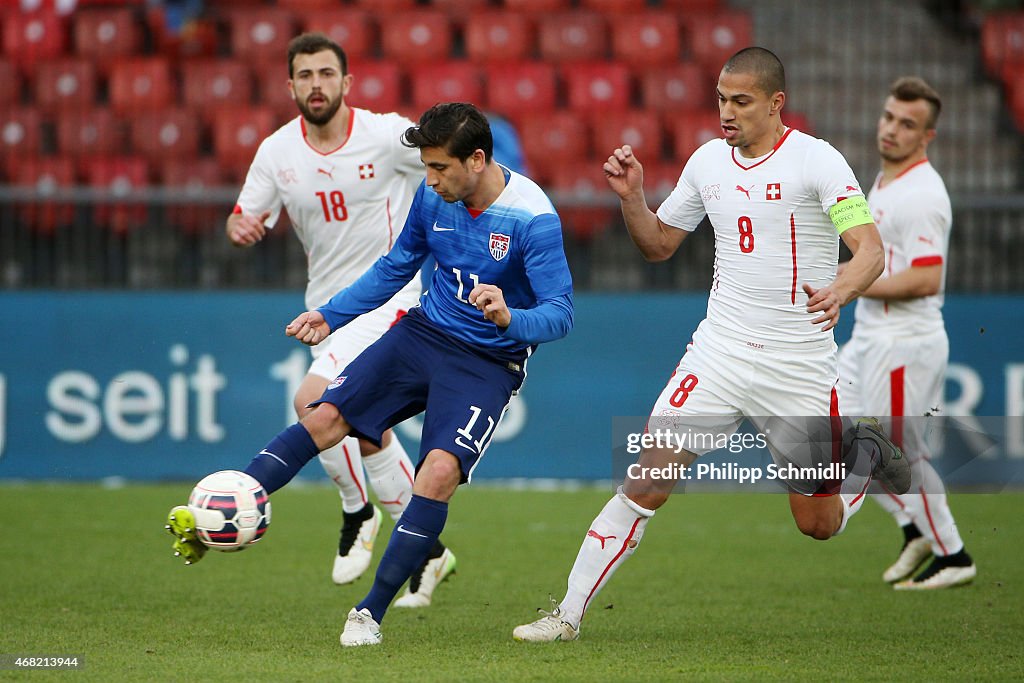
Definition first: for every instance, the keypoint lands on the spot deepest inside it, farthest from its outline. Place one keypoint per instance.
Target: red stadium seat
(301, 7)
(713, 38)
(459, 10)
(65, 84)
(105, 35)
(499, 37)
(660, 177)
(573, 36)
(272, 91)
(121, 176)
(676, 88)
(166, 134)
(591, 213)
(191, 180)
(707, 6)
(45, 175)
(141, 84)
(798, 120)
(212, 83)
(1002, 40)
(416, 37)
(30, 38)
(353, 29)
(552, 140)
(376, 86)
(597, 85)
(261, 35)
(10, 83)
(637, 128)
(386, 6)
(536, 7)
(615, 6)
(690, 130)
(444, 82)
(237, 133)
(89, 132)
(523, 87)
(20, 135)
(195, 40)
(646, 39)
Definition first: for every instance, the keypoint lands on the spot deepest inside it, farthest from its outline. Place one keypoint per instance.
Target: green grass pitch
(723, 587)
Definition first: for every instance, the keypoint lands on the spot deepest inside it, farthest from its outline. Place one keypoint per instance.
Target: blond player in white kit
(347, 182)
(895, 362)
(777, 199)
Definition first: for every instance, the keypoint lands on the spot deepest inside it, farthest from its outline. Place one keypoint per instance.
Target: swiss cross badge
(773, 191)
(365, 171)
(499, 245)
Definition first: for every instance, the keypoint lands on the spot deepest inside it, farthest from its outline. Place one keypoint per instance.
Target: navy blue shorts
(414, 368)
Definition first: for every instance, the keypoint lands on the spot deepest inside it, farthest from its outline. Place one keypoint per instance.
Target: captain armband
(850, 212)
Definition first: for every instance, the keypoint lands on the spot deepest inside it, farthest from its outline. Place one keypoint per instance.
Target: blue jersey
(515, 244)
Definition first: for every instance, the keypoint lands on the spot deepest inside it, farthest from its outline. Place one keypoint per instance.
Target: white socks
(391, 474)
(612, 538)
(342, 464)
(927, 507)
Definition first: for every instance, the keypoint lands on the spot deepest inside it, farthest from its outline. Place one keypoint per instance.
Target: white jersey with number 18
(347, 205)
(772, 232)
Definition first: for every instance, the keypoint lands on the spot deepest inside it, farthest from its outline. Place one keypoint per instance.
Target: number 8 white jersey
(347, 206)
(772, 231)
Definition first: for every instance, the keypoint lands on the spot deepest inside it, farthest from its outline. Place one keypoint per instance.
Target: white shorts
(332, 355)
(788, 394)
(883, 375)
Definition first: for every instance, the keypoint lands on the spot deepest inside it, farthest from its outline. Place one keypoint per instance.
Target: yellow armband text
(850, 212)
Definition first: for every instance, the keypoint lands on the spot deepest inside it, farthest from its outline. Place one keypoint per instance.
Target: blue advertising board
(151, 386)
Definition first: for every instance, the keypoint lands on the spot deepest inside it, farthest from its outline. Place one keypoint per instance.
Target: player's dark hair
(762, 64)
(911, 89)
(311, 43)
(457, 127)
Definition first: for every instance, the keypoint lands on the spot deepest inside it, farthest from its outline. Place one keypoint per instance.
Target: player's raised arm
(625, 175)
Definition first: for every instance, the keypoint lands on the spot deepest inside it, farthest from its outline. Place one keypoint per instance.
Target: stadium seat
(537, 7)
(272, 91)
(121, 176)
(1002, 40)
(676, 88)
(444, 82)
(45, 175)
(353, 29)
(237, 133)
(89, 132)
(713, 38)
(646, 39)
(141, 84)
(615, 6)
(20, 135)
(105, 35)
(551, 140)
(707, 6)
(523, 87)
(10, 83)
(660, 177)
(301, 7)
(690, 130)
(499, 37)
(195, 40)
(416, 37)
(193, 179)
(597, 85)
(798, 120)
(212, 83)
(573, 36)
(261, 35)
(384, 7)
(29, 38)
(166, 134)
(637, 128)
(65, 84)
(376, 86)
(459, 10)
(593, 208)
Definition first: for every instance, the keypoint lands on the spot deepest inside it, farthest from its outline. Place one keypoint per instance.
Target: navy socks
(282, 458)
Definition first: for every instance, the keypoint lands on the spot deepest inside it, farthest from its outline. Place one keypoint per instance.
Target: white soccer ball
(231, 509)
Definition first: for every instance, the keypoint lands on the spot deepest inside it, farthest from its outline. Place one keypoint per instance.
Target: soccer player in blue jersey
(501, 287)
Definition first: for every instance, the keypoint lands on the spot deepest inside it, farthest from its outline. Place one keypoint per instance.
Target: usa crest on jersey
(499, 245)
